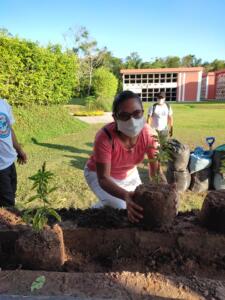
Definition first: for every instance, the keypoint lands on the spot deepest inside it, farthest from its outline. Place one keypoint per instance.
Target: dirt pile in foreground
(213, 211)
(112, 286)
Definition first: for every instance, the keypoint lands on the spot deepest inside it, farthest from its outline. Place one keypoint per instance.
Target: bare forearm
(112, 188)
(16, 144)
(170, 121)
(149, 120)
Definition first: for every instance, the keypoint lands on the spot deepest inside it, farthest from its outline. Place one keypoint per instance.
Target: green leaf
(52, 189)
(32, 198)
(38, 283)
(53, 213)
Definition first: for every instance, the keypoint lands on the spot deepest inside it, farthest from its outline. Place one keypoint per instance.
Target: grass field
(65, 143)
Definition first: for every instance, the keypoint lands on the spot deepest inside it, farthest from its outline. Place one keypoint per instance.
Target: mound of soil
(213, 211)
(111, 286)
(10, 217)
(160, 203)
(42, 250)
(106, 217)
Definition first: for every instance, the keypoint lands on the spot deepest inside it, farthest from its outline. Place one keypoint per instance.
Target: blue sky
(153, 28)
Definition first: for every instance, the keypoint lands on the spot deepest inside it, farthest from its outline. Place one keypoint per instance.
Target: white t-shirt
(160, 116)
(7, 152)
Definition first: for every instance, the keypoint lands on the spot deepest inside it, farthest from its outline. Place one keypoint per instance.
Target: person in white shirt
(160, 116)
(10, 150)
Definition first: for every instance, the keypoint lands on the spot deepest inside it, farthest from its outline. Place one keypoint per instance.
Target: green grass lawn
(65, 144)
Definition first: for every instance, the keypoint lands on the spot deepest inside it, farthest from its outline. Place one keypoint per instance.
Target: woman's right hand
(134, 211)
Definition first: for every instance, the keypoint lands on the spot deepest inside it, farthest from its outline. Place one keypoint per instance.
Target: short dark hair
(122, 97)
(161, 95)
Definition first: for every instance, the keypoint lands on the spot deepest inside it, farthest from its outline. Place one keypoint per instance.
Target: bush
(104, 87)
(33, 74)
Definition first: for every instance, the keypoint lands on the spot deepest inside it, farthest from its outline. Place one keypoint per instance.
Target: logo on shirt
(4, 126)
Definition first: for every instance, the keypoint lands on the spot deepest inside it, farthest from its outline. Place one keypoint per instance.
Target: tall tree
(113, 63)
(191, 61)
(87, 50)
(172, 61)
(5, 32)
(133, 61)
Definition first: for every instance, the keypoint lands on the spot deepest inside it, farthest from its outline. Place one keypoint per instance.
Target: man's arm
(149, 120)
(22, 157)
(170, 124)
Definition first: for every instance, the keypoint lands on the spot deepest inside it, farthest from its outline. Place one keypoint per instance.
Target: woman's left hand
(134, 211)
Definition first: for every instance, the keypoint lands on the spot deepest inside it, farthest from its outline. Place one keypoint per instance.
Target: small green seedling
(38, 217)
(162, 156)
(38, 283)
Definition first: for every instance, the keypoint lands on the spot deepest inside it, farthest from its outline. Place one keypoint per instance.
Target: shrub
(104, 87)
(33, 74)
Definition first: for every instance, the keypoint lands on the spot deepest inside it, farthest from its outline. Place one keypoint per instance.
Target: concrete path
(106, 118)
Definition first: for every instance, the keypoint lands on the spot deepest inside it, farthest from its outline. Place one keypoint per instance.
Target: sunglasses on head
(125, 116)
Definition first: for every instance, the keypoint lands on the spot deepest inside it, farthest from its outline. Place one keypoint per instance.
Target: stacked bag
(219, 168)
(177, 171)
(200, 170)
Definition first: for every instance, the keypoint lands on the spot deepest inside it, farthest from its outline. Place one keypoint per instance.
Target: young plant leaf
(38, 283)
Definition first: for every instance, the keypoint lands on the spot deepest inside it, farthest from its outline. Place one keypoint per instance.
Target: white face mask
(161, 101)
(131, 127)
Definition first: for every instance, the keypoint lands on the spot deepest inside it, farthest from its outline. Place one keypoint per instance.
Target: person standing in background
(10, 150)
(160, 116)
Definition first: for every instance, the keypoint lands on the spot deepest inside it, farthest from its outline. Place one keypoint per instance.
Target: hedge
(30, 73)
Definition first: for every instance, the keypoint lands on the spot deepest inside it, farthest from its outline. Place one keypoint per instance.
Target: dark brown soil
(41, 250)
(213, 211)
(96, 218)
(159, 202)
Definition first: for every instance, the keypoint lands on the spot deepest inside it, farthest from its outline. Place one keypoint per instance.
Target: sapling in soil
(162, 156)
(38, 217)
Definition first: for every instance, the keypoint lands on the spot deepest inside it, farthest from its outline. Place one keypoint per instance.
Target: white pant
(105, 199)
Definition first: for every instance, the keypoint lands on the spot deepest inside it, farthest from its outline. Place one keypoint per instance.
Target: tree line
(30, 73)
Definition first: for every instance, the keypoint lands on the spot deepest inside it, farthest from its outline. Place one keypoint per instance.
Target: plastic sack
(218, 157)
(200, 160)
(219, 181)
(201, 181)
(179, 156)
(182, 179)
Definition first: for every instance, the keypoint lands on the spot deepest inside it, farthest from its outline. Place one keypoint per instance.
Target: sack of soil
(219, 159)
(159, 202)
(201, 181)
(219, 181)
(181, 179)
(200, 160)
(42, 250)
(212, 214)
(179, 156)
